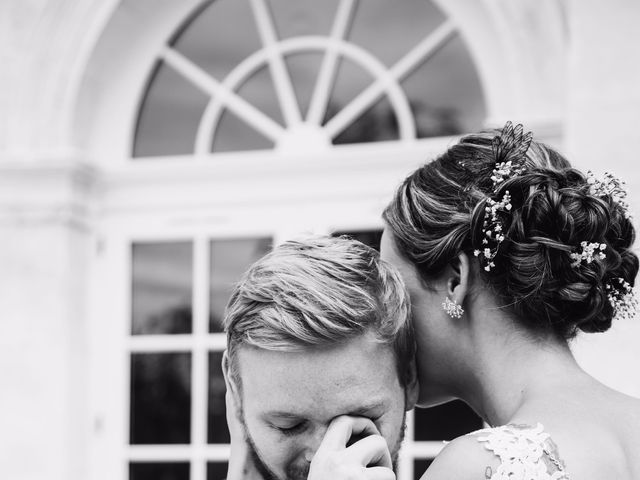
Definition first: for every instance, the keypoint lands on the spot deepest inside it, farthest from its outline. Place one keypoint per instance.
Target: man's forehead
(355, 378)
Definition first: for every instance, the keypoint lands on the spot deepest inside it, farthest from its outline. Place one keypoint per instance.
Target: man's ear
(229, 381)
(459, 278)
(412, 387)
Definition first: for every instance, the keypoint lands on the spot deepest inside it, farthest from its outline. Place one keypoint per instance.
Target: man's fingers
(372, 450)
(343, 428)
(380, 473)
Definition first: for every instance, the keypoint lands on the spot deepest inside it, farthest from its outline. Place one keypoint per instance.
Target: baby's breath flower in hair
(509, 150)
(493, 229)
(590, 250)
(610, 186)
(622, 298)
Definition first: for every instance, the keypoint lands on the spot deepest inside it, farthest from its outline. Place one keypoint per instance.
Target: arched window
(304, 76)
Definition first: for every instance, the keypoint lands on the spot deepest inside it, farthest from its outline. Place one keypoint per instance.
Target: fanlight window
(302, 76)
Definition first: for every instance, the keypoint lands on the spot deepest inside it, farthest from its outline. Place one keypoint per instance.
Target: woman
(507, 253)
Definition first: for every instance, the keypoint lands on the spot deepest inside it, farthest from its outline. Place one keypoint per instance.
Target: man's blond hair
(320, 291)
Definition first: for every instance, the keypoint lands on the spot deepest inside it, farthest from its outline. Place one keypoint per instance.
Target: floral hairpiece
(509, 149)
(622, 298)
(590, 250)
(492, 228)
(610, 186)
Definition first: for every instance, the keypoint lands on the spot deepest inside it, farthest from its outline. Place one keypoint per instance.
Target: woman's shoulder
(461, 459)
(497, 453)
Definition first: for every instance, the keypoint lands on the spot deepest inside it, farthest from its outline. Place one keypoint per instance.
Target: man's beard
(295, 471)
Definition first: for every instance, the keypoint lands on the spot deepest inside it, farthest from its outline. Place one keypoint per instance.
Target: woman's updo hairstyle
(441, 209)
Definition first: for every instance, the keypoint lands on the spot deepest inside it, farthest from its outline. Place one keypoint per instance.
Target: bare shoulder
(463, 458)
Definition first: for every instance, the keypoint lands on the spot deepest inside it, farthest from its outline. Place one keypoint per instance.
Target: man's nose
(312, 441)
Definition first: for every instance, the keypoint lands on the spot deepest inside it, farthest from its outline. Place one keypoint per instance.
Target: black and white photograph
(319, 240)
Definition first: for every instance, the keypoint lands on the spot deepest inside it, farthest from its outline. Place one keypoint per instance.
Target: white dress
(525, 452)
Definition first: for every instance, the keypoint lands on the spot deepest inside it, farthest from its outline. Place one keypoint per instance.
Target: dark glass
(217, 431)
(445, 422)
(377, 124)
(368, 237)
(219, 36)
(160, 410)
(419, 467)
(234, 134)
(303, 69)
(303, 17)
(455, 103)
(230, 258)
(405, 24)
(159, 471)
(217, 470)
(162, 284)
(169, 115)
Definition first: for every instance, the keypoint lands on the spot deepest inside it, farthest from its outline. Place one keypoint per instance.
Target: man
(320, 363)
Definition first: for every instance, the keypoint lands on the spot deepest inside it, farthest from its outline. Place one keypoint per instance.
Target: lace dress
(525, 453)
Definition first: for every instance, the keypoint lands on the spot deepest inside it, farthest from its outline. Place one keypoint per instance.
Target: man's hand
(365, 459)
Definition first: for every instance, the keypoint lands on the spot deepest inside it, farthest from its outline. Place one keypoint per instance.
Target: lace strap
(525, 452)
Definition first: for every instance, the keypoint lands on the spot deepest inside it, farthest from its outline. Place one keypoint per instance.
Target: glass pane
(351, 79)
(303, 69)
(260, 91)
(377, 124)
(217, 431)
(217, 470)
(160, 398)
(445, 422)
(303, 17)
(405, 24)
(162, 285)
(229, 260)
(233, 134)
(368, 237)
(169, 115)
(445, 93)
(219, 37)
(159, 471)
(419, 467)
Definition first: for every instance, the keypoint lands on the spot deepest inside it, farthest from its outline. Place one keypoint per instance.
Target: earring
(452, 308)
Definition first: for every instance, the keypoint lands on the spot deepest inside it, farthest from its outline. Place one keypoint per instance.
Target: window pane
(219, 37)
(445, 422)
(229, 260)
(303, 17)
(162, 286)
(377, 124)
(217, 431)
(169, 115)
(159, 471)
(160, 398)
(217, 470)
(368, 237)
(419, 467)
(445, 93)
(405, 23)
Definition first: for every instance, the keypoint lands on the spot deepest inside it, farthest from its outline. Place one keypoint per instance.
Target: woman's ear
(459, 278)
(412, 386)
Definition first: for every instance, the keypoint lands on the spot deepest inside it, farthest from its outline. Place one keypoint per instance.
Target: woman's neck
(513, 373)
